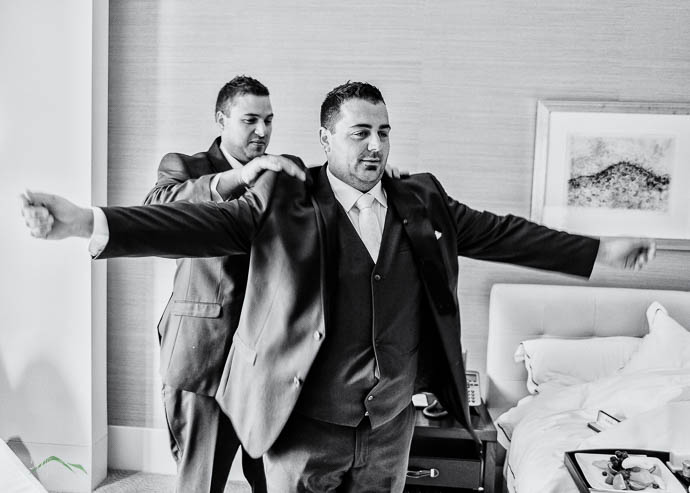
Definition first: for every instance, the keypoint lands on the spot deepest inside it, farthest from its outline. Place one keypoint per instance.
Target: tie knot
(365, 201)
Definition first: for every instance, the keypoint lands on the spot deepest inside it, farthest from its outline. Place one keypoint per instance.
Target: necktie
(369, 229)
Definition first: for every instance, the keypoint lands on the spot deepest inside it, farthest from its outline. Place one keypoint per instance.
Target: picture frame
(614, 169)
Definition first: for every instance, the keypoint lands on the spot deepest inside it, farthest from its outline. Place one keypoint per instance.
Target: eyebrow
(257, 115)
(366, 125)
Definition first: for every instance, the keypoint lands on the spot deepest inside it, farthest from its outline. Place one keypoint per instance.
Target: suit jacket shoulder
(183, 177)
(192, 166)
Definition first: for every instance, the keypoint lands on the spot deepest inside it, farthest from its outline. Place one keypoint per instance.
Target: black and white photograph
(344, 247)
(613, 169)
(612, 172)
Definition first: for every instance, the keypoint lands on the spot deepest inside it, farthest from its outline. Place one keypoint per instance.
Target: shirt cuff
(214, 189)
(101, 233)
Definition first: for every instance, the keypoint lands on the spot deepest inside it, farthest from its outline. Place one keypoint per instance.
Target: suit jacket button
(377, 277)
(404, 221)
(296, 381)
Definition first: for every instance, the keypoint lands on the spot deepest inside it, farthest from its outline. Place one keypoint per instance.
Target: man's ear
(325, 139)
(220, 119)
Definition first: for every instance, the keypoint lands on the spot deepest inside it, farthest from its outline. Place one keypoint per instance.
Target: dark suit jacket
(198, 323)
(282, 221)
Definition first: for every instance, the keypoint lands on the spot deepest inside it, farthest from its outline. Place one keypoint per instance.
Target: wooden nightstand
(444, 454)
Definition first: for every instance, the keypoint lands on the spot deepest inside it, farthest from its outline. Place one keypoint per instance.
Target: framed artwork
(614, 169)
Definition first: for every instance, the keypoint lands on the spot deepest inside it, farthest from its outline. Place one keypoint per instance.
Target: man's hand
(229, 182)
(394, 172)
(254, 168)
(625, 253)
(53, 218)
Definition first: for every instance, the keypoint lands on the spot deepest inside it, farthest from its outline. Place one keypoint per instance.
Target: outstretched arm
(174, 230)
(512, 239)
(179, 229)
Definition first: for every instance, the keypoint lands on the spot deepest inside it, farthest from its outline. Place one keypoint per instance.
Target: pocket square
(438, 234)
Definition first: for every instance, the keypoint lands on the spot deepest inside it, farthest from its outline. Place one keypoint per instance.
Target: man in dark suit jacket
(340, 323)
(202, 314)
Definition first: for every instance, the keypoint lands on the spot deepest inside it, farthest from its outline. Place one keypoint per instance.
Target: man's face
(357, 148)
(245, 126)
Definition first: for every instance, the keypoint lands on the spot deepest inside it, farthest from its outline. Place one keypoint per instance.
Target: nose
(374, 142)
(260, 129)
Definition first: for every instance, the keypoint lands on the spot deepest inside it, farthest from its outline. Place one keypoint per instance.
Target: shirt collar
(348, 195)
(234, 163)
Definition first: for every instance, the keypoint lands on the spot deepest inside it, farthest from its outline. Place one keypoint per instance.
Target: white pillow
(552, 362)
(666, 346)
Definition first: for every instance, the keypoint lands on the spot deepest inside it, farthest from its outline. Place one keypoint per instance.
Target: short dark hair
(330, 108)
(239, 86)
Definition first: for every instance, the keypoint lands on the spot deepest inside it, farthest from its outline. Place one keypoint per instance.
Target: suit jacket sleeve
(184, 229)
(175, 183)
(485, 236)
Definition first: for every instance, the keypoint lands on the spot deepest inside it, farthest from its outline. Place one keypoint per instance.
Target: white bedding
(655, 405)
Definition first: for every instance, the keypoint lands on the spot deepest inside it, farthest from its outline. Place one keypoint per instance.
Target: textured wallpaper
(461, 80)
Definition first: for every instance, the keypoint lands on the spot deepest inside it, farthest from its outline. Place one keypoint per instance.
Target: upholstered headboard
(528, 311)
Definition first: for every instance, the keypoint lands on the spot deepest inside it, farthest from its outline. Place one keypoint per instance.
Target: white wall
(52, 364)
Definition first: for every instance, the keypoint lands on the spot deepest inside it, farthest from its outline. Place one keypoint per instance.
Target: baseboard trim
(148, 450)
(140, 449)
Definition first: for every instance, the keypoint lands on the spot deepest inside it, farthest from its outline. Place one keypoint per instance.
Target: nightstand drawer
(449, 448)
(455, 473)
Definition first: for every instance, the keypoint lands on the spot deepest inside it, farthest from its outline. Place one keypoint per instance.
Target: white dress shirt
(346, 195)
(101, 233)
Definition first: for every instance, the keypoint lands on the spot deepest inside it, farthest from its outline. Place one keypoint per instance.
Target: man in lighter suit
(351, 302)
(202, 314)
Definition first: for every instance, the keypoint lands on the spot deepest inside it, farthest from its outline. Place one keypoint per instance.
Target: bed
(587, 349)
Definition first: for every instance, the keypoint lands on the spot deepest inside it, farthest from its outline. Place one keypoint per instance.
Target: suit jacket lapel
(325, 208)
(325, 202)
(390, 239)
(216, 157)
(425, 245)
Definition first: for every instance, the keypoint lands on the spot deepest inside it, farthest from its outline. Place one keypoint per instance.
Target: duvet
(653, 404)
